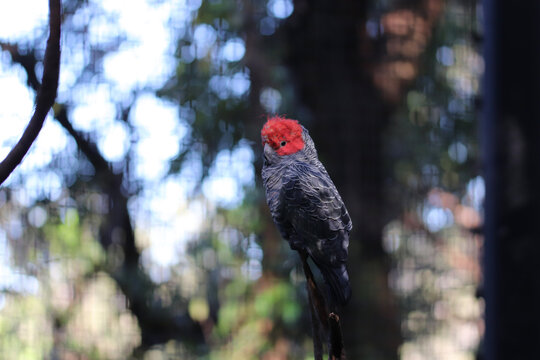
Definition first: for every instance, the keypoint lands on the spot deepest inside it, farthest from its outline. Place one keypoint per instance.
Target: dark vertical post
(488, 125)
(511, 145)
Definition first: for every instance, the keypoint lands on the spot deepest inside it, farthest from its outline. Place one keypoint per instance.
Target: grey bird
(304, 202)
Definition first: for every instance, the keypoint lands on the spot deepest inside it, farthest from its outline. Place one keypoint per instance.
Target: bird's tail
(337, 279)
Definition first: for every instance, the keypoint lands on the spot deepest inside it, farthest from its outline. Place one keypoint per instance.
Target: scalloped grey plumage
(309, 212)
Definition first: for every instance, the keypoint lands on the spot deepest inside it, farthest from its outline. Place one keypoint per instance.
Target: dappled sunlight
(435, 244)
(280, 8)
(23, 18)
(437, 268)
(136, 225)
(97, 325)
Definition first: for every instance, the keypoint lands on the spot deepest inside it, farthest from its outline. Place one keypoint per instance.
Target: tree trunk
(346, 119)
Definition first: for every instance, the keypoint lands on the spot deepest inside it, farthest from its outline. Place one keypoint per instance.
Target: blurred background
(136, 227)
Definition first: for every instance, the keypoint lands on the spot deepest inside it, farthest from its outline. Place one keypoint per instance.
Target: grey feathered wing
(316, 220)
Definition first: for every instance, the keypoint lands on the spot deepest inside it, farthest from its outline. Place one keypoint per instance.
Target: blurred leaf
(198, 309)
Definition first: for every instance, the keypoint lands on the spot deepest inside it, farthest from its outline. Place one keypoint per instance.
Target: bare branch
(324, 323)
(336, 339)
(316, 296)
(88, 148)
(317, 331)
(45, 97)
(158, 324)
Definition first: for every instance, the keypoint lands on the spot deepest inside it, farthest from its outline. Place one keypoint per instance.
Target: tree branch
(322, 321)
(45, 97)
(158, 324)
(336, 339)
(88, 148)
(316, 328)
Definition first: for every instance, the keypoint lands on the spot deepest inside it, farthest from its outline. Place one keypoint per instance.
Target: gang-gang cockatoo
(304, 202)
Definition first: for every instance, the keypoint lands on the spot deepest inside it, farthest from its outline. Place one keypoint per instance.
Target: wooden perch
(45, 97)
(336, 339)
(325, 325)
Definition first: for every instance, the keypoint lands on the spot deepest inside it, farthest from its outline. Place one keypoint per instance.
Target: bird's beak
(267, 151)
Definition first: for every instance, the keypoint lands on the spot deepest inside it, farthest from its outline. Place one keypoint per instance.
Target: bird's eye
(283, 143)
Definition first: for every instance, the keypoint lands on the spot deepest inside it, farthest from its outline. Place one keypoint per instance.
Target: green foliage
(203, 85)
(65, 236)
(213, 11)
(70, 238)
(247, 325)
(246, 218)
(24, 331)
(279, 302)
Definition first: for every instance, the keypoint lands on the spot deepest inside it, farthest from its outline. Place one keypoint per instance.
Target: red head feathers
(283, 135)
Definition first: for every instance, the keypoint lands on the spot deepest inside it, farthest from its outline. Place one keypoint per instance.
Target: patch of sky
(37, 216)
(145, 59)
(280, 9)
(231, 171)
(437, 218)
(22, 19)
(226, 86)
(204, 38)
(476, 192)
(173, 222)
(10, 278)
(458, 152)
(114, 144)
(17, 106)
(233, 50)
(159, 133)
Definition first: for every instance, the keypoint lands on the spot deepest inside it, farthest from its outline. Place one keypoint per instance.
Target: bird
(304, 202)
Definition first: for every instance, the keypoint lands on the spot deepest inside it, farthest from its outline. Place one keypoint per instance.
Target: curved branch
(45, 97)
(325, 324)
(158, 324)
